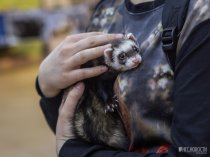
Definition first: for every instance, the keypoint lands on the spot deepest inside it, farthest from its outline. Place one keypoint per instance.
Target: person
(190, 88)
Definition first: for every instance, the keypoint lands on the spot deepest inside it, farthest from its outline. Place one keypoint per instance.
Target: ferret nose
(136, 60)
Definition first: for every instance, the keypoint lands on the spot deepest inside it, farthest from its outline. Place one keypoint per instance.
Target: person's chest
(147, 90)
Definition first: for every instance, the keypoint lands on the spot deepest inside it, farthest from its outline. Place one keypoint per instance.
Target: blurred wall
(62, 3)
(55, 3)
(23, 129)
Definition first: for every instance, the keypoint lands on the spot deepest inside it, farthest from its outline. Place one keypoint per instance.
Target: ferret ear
(131, 37)
(108, 53)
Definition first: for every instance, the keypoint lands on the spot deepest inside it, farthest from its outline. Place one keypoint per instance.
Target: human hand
(64, 130)
(62, 67)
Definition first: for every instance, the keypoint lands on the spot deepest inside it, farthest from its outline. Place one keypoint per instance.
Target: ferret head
(124, 54)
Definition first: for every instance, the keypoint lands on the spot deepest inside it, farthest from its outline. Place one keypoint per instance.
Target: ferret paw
(115, 99)
(112, 107)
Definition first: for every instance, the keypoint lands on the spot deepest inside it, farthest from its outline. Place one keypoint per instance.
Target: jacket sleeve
(50, 107)
(190, 128)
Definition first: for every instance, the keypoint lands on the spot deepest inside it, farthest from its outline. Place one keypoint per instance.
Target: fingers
(68, 108)
(81, 74)
(86, 55)
(85, 41)
(77, 37)
(95, 41)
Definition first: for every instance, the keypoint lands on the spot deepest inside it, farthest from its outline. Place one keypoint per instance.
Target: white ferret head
(124, 54)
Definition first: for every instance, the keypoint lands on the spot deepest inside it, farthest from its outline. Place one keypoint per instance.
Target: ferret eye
(122, 56)
(135, 49)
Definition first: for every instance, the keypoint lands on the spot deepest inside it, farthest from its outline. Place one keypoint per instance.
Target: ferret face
(124, 55)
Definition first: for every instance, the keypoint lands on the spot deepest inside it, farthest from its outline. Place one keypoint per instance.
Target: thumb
(66, 113)
(72, 100)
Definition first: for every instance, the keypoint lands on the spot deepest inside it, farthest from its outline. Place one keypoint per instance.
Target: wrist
(46, 89)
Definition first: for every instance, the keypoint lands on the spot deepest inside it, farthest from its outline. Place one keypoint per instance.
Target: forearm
(77, 148)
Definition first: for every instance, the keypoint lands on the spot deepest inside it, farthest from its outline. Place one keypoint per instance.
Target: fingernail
(79, 85)
(119, 36)
(104, 68)
(107, 46)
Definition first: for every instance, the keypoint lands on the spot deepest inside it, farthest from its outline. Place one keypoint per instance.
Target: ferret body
(96, 118)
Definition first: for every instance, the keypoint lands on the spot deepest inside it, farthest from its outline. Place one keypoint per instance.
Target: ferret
(122, 56)
(96, 118)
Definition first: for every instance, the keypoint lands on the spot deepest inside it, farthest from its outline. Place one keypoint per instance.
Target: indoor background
(29, 30)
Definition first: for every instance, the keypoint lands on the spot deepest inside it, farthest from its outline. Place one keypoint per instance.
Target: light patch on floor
(23, 130)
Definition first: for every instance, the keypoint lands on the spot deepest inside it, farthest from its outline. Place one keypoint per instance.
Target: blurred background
(29, 30)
